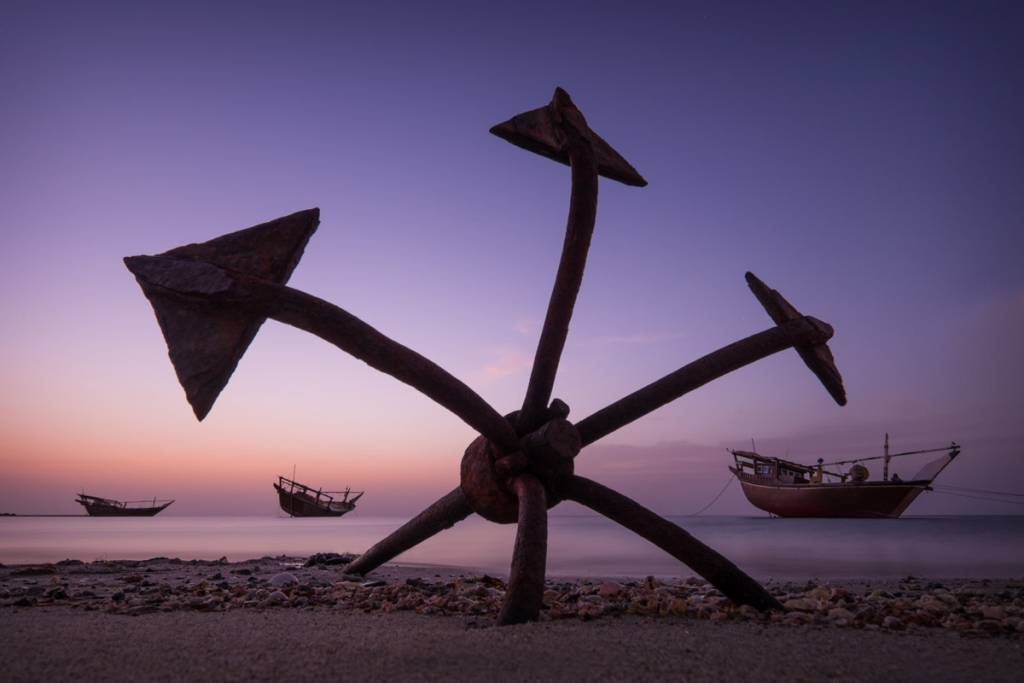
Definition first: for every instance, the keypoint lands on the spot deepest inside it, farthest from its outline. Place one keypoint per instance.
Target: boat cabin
(771, 470)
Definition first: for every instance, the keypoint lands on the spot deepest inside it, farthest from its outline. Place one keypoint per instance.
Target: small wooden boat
(105, 507)
(299, 500)
(788, 489)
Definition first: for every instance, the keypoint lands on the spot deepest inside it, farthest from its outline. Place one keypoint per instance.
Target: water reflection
(977, 546)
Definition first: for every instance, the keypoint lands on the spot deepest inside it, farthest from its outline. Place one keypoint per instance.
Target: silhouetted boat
(299, 500)
(105, 507)
(788, 489)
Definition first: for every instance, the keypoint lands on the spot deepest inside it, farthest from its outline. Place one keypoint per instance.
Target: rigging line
(716, 498)
(991, 500)
(994, 493)
(890, 456)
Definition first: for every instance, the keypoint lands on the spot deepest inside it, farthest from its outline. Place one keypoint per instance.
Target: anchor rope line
(990, 497)
(993, 493)
(991, 500)
(716, 498)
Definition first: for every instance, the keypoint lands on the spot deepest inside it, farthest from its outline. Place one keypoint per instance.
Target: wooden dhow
(107, 507)
(788, 489)
(299, 500)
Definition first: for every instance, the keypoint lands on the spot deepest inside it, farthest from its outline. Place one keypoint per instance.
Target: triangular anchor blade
(535, 131)
(206, 343)
(817, 357)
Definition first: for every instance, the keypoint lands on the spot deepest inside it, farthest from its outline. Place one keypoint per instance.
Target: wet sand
(272, 619)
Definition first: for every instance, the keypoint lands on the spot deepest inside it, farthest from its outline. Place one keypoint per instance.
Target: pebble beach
(110, 607)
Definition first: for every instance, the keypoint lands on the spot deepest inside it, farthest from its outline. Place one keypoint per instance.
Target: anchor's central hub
(547, 454)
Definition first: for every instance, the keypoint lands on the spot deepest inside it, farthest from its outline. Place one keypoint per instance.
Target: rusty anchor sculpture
(210, 299)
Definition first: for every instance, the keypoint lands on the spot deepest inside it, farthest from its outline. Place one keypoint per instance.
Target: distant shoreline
(16, 514)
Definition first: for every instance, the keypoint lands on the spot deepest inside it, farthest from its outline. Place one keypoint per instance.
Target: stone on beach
(979, 608)
(283, 579)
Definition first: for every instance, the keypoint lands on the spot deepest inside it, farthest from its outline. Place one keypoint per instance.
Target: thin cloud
(507, 361)
(527, 325)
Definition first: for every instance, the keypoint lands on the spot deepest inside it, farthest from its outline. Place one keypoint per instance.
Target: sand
(177, 621)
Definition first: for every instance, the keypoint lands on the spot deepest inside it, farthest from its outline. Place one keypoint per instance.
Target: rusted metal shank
(529, 559)
(575, 133)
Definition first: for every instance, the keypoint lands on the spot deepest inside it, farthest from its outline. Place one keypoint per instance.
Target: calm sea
(783, 549)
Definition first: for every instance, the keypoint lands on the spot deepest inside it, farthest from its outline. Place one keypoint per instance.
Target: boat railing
(295, 488)
(751, 464)
(122, 504)
(321, 496)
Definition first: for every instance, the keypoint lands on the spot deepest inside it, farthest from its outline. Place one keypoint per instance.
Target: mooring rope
(993, 493)
(716, 498)
(963, 492)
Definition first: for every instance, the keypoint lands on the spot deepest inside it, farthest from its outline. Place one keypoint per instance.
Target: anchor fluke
(537, 131)
(817, 357)
(205, 342)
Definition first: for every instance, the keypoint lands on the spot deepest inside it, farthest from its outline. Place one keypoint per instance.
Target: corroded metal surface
(211, 298)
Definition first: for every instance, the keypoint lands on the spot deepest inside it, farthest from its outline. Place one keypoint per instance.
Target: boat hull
(854, 499)
(95, 510)
(301, 505)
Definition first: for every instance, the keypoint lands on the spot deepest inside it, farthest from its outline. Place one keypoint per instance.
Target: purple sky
(866, 160)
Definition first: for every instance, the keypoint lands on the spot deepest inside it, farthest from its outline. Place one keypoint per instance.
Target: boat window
(764, 469)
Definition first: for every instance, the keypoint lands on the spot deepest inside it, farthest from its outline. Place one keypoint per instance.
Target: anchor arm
(723, 574)
(816, 356)
(560, 132)
(215, 288)
(535, 132)
(794, 333)
(443, 514)
(569, 278)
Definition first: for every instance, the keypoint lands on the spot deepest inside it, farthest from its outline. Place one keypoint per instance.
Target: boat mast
(291, 491)
(885, 469)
